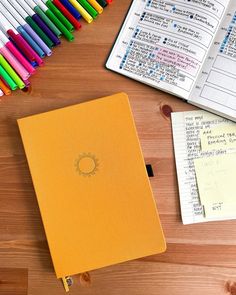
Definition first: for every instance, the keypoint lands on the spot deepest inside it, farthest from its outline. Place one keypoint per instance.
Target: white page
(186, 128)
(164, 43)
(215, 88)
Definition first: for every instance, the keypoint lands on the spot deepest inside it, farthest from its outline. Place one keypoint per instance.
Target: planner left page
(164, 43)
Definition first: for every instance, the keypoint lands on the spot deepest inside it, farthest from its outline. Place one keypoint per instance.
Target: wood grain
(200, 259)
(13, 281)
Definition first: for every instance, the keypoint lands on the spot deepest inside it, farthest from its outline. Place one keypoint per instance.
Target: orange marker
(4, 88)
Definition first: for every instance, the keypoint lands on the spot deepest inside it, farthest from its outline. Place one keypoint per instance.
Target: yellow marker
(96, 6)
(65, 284)
(82, 11)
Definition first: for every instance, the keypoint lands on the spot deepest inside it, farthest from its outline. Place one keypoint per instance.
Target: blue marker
(21, 31)
(71, 8)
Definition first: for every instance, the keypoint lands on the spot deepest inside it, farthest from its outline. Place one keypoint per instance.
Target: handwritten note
(216, 184)
(219, 137)
(186, 134)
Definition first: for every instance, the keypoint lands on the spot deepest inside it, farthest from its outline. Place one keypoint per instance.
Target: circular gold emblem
(86, 164)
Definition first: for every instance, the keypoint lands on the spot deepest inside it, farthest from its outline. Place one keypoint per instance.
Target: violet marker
(19, 14)
(19, 41)
(39, 22)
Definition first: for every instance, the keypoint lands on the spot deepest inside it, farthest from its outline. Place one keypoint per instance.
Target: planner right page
(215, 88)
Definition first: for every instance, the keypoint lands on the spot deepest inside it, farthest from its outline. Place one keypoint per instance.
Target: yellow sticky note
(221, 137)
(216, 184)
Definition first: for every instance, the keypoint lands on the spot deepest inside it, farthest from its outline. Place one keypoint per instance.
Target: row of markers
(29, 29)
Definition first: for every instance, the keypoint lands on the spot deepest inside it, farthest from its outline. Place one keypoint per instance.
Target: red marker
(17, 54)
(67, 14)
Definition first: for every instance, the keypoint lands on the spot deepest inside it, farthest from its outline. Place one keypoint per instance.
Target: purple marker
(19, 14)
(46, 29)
(39, 22)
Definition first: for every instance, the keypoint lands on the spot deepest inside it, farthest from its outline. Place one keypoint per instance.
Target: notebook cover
(91, 184)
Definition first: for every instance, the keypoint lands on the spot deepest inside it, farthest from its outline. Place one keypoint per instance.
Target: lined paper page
(186, 128)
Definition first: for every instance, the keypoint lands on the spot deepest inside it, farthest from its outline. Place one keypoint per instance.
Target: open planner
(186, 48)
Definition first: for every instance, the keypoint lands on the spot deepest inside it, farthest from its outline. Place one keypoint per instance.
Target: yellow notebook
(91, 184)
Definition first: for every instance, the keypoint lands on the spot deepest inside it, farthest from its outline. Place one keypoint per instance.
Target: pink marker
(29, 68)
(13, 62)
(20, 42)
(27, 83)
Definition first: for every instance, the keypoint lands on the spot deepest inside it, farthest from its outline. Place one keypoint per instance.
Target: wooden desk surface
(200, 259)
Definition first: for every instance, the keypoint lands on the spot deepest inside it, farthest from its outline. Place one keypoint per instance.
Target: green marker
(53, 19)
(16, 79)
(47, 21)
(59, 15)
(59, 24)
(89, 8)
(36, 8)
(7, 78)
(39, 31)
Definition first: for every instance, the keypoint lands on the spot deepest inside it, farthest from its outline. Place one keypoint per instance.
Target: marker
(4, 88)
(1, 93)
(6, 77)
(103, 3)
(28, 14)
(67, 14)
(71, 8)
(11, 72)
(17, 38)
(82, 11)
(51, 37)
(11, 47)
(20, 15)
(19, 41)
(16, 53)
(13, 61)
(96, 6)
(38, 52)
(89, 8)
(54, 19)
(109, 1)
(59, 15)
(38, 9)
(27, 83)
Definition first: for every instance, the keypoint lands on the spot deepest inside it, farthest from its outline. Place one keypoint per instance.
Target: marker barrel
(60, 25)
(38, 40)
(103, 3)
(20, 57)
(25, 48)
(71, 8)
(4, 88)
(46, 29)
(88, 8)
(82, 11)
(14, 63)
(67, 14)
(11, 72)
(47, 21)
(31, 42)
(96, 6)
(7, 78)
(60, 16)
(39, 31)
